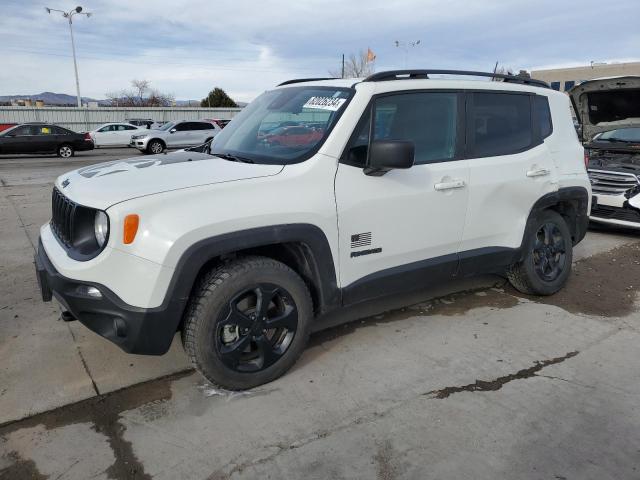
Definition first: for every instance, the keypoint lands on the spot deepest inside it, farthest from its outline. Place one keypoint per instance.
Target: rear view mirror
(173, 130)
(385, 155)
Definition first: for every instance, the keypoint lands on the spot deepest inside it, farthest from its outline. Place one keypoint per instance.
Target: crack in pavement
(73, 337)
(82, 360)
(480, 385)
(15, 209)
(498, 383)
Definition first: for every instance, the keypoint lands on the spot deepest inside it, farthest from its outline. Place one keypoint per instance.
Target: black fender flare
(199, 254)
(578, 196)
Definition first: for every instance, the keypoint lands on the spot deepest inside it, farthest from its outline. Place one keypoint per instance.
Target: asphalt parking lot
(483, 384)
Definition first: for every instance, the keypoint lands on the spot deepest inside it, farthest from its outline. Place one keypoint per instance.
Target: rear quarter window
(542, 115)
(499, 124)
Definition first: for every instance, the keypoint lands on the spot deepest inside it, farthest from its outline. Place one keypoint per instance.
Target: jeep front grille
(62, 213)
(606, 182)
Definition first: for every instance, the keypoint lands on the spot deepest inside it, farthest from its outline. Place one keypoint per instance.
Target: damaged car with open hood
(609, 110)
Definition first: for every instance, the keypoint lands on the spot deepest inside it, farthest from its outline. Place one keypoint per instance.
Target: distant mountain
(49, 98)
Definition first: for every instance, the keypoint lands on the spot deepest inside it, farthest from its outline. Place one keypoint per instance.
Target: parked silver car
(175, 135)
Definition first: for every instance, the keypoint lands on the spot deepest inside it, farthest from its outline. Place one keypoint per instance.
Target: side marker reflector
(131, 223)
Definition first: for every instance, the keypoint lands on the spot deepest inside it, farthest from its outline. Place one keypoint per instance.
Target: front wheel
(65, 151)
(247, 322)
(548, 254)
(155, 147)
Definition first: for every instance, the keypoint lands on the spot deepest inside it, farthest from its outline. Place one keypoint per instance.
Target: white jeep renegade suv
(318, 195)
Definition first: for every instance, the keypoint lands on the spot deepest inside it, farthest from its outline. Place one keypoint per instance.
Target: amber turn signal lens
(131, 223)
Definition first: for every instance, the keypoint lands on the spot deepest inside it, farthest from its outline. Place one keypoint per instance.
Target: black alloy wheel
(549, 252)
(545, 265)
(256, 328)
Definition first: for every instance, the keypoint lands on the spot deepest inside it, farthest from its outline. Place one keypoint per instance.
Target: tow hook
(67, 316)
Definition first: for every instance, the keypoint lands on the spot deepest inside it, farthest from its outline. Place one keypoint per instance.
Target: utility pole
(69, 15)
(342, 66)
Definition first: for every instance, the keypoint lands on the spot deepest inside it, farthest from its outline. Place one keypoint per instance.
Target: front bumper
(615, 210)
(139, 143)
(146, 331)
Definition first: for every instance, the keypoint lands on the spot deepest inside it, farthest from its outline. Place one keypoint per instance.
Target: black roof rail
(415, 74)
(301, 80)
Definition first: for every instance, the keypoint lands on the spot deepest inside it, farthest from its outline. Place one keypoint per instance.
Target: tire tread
(207, 286)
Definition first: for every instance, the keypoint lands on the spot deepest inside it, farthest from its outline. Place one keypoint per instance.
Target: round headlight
(101, 228)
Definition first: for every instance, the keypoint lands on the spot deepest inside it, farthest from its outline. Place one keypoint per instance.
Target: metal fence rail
(85, 119)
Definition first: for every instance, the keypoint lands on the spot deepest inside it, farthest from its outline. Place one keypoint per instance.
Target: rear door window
(202, 126)
(499, 124)
(60, 131)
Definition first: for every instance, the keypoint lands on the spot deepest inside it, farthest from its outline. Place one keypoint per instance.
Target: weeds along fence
(86, 119)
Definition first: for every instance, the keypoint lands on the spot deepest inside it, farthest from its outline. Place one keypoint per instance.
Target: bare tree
(114, 98)
(355, 66)
(141, 95)
(141, 87)
(158, 99)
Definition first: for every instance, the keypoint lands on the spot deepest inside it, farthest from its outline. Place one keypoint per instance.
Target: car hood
(105, 184)
(606, 103)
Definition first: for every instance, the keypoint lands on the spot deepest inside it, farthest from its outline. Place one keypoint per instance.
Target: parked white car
(175, 135)
(398, 182)
(113, 134)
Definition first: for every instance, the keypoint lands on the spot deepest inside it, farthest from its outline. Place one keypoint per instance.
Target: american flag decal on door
(361, 240)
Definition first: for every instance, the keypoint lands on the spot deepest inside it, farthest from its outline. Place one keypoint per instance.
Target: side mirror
(385, 155)
(173, 130)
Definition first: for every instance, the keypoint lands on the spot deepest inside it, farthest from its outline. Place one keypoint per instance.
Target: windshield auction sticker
(324, 103)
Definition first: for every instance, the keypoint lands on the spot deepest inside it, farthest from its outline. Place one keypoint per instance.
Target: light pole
(405, 47)
(69, 15)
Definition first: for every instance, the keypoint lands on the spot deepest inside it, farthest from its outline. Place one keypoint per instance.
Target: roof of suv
(414, 79)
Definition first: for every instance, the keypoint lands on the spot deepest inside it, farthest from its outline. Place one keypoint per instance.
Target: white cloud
(245, 47)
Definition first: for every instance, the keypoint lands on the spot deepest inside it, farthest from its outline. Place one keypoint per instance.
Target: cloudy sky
(246, 46)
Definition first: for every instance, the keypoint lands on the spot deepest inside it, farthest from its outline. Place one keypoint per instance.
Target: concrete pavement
(44, 362)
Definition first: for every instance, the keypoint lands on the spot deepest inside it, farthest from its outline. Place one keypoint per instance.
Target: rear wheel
(155, 147)
(65, 151)
(546, 265)
(247, 323)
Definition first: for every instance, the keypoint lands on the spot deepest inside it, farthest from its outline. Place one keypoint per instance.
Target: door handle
(450, 185)
(539, 172)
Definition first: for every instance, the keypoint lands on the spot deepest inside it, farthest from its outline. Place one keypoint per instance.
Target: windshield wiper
(233, 158)
(614, 139)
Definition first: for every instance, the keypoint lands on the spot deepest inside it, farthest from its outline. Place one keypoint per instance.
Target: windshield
(167, 126)
(625, 135)
(282, 126)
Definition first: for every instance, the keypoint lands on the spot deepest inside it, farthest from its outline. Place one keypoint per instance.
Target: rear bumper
(146, 331)
(85, 145)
